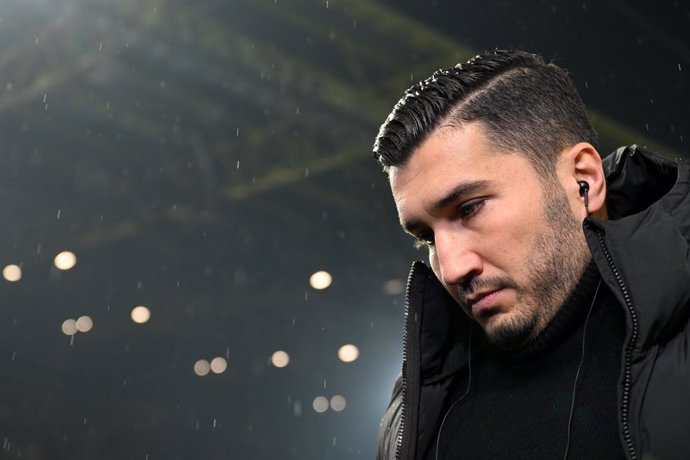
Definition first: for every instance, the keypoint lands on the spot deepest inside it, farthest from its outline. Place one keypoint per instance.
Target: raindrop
(679, 68)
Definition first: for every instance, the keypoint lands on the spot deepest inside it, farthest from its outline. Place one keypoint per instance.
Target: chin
(511, 333)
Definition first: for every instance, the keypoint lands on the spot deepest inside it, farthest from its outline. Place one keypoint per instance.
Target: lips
(482, 301)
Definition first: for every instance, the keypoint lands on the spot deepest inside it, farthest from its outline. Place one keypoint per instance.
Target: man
(553, 320)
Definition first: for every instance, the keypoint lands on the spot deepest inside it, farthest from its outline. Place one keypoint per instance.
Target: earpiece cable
(577, 374)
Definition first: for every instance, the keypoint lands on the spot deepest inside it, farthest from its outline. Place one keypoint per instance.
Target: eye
(469, 209)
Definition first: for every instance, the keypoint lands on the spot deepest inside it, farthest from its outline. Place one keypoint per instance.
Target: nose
(456, 258)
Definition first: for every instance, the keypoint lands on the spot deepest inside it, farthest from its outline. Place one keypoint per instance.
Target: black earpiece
(584, 192)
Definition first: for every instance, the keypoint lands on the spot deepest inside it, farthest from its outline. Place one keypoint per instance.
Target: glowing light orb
(65, 260)
(69, 327)
(202, 367)
(320, 280)
(12, 273)
(84, 324)
(280, 359)
(140, 314)
(218, 365)
(320, 404)
(348, 353)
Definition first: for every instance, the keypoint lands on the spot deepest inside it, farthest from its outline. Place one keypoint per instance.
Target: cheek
(433, 263)
(508, 245)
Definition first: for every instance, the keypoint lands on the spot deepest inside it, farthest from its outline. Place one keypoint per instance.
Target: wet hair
(524, 104)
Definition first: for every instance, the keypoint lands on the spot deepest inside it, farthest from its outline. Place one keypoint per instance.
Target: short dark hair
(523, 103)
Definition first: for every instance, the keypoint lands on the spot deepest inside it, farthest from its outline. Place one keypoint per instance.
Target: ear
(582, 162)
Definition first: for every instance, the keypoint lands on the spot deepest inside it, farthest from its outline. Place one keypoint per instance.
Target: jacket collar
(647, 238)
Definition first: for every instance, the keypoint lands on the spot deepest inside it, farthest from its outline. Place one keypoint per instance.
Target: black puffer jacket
(643, 255)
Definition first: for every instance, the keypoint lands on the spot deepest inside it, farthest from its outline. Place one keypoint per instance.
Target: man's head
(484, 162)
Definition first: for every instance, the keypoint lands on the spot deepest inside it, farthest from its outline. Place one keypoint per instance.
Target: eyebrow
(460, 190)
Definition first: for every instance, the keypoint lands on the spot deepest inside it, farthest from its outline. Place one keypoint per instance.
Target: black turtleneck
(519, 401)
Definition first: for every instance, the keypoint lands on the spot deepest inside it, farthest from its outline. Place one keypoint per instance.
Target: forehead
(449, 154)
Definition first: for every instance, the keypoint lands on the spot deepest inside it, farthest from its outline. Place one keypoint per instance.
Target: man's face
(503, 241)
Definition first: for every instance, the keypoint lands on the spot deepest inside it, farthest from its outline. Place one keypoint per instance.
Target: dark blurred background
(202, 160)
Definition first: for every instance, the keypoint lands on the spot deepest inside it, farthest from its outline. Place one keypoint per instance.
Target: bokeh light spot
(140, 314)
(69, 327)
(394, 287)
(348, 353)
(202, 367)
(12, 273)
(320, 280)
(219, 365)
(280, 359)
(320, 404)
(338, 403)
(65, 260)
(84, 324)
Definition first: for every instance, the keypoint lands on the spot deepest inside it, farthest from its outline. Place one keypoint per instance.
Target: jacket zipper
(401, 439)
(628, 350)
